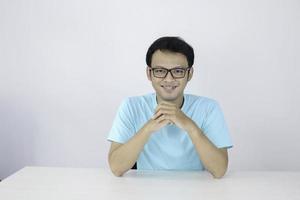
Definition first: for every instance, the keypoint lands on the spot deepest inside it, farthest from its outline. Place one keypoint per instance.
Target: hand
(155, 124)
(169, 111)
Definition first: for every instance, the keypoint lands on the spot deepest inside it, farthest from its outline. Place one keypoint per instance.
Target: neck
(179, 101)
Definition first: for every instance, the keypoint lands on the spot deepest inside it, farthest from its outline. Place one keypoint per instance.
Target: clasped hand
(169, 113)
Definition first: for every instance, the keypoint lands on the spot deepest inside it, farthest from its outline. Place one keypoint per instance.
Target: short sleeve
(215, 127)
(123, 125)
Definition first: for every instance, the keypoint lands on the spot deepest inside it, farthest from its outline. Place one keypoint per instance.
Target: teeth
(169, 87)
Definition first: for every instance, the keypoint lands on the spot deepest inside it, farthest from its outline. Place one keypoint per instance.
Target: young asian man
(169, 129)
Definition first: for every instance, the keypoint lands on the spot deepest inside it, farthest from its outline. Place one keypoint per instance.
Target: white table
(43, 183)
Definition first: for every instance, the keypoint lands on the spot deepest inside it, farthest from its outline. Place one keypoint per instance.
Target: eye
(178, 71)
(159, 70)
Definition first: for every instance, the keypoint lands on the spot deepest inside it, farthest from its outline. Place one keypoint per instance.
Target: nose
(169, 76)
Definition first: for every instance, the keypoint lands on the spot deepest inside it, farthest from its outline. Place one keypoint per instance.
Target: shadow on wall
(18, 129)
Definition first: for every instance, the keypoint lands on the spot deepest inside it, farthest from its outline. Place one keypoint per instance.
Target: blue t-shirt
(170, 147)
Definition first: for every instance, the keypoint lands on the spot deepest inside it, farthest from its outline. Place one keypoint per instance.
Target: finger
(170, 118)
(160, 118)
(167, 103)
(156, 116)
(163, 118)
(165, 122)
(164, 107)
(167, 106)
(163, 111)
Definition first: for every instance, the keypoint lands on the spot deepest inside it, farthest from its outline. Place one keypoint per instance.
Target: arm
(123, 156)
(215, 160)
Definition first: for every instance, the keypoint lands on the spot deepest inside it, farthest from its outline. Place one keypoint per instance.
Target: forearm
(124, 157)
(213, 158)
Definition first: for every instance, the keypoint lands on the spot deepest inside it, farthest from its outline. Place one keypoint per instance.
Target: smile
(169, 88)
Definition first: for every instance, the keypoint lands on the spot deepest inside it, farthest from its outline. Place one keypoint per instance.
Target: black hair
(173, 44)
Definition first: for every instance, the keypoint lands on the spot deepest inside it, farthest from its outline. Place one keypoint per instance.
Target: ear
(190, 73)
(148, 71)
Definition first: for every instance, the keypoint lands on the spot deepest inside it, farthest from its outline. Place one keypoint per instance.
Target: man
(169, 129)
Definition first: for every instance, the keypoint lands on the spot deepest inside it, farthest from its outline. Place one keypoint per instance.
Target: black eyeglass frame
(170, 70)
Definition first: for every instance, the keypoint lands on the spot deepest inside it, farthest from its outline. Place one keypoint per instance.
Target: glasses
(177, 72)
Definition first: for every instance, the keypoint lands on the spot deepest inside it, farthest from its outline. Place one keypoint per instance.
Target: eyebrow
(158, 66)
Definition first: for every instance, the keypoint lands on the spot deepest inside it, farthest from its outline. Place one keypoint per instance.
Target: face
(169, 88)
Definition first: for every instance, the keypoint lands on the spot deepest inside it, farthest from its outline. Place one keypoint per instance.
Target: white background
(65, 66)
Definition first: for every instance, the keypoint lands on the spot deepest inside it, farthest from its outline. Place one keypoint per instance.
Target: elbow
(218, 175)
(115, 170)
(219, 172)
(117, 173)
